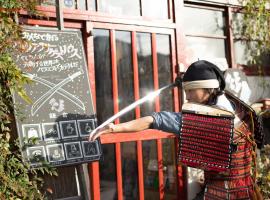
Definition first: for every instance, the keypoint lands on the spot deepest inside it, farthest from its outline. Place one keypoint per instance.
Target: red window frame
(118, 138)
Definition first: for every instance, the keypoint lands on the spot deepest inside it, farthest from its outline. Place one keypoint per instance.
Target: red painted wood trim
(182, 59)
(90, 60)
(97, 5)
(160, 169)
(254, 70)
(135, 72)
(181, 53)
(116, 110)
(88, 4)
(75, 14)
(174, 73)
(138, 114)
(39, 22)
(104, 25)
(119, 170)
(125, 27)
(140, 170)
(155, 69)
(231, 58)
(89, 51)
(149, 134)
(114, 73)
(141, 9)
(181, 175)
(170, 9)
(94, 180)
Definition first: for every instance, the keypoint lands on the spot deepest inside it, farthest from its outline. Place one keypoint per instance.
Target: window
(136, 8)
(71, 4)
(114, 51)
(205, 32)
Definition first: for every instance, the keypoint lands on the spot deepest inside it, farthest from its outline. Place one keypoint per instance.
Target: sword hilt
(178, 82)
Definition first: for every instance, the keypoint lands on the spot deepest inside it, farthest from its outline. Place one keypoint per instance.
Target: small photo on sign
(90, 148)
(32, 131)
(68, 129)
(73, 150)
(51, 131)
(86, 126)
(36, 154)
(55, 152)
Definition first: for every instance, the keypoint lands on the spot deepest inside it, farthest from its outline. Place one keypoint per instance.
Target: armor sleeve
(167, 121)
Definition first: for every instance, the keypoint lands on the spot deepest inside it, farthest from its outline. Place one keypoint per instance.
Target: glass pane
(108, 189)
(157, 9)
(125, 73)
(150, 170)
(93, 5)
(81, 4)
(237, 23)
(103, 74)
(120, 7)
(203, 21)
(104, 109)
(240, 49)
(164, 71)
(47, 3)
(129, 171)
(203, 48)
(69, 4)
(242, 54)
(145, 68)
(168, 154)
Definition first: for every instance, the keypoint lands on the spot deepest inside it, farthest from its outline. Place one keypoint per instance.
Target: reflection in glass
(145, 67)
(120, 7)
(93, 5)
(243, 54)
(168, 154)
(202, 48)
(125, 73)
(203, 21)
(66, 4)
(103, 74)
(150, 170)
(108, 187)
(129, 171)
(164, 71)
(47, 3)
(156, 9)
(237, 24)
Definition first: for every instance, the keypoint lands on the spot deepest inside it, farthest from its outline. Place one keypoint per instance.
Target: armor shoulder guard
(257, 123)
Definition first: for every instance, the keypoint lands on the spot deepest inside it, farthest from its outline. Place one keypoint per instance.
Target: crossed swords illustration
(54, 88)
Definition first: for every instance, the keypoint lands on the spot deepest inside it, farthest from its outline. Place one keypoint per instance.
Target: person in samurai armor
(204, 83)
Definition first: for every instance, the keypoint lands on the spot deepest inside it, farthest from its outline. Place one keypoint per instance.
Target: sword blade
(148, 97)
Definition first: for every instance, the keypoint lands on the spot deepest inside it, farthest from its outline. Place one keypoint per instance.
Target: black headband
(204, 70)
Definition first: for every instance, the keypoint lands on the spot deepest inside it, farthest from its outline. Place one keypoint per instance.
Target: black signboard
(55, 127)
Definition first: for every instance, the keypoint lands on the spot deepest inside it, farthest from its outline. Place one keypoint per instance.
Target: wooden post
(83, 178)
(59, 14)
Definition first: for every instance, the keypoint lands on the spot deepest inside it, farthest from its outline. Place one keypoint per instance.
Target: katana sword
(148, 97)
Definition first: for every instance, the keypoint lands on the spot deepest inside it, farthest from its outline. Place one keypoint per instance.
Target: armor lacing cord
(254, 148)
(251, 140)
